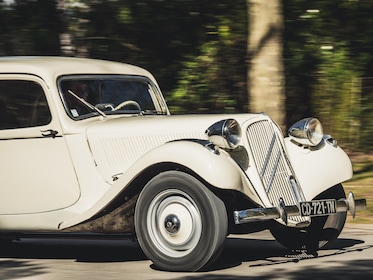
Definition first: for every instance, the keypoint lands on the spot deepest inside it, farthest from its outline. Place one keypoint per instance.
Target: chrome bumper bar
(281, 211)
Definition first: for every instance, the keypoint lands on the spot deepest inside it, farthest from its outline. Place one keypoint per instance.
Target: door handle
(49, 133)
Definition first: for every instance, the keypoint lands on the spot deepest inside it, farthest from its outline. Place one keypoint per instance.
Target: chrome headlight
(307, 132)
(226, 134)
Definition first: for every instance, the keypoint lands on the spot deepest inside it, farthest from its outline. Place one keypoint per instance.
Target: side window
(22, 104)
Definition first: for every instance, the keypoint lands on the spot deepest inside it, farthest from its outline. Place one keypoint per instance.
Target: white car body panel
(319, 169)
(40, 189)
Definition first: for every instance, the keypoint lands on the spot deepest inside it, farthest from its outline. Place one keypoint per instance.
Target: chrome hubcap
(172, 224)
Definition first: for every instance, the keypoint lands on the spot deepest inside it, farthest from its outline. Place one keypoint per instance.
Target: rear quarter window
(22, 104)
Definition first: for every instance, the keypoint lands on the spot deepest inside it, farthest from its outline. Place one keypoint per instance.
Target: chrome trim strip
(273, 171)
(263, 214)
(267, 158)
(295, 187)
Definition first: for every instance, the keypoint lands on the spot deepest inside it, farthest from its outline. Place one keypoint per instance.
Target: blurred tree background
(198, 51)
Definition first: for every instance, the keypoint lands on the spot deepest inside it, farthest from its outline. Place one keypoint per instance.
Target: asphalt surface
(253, 256)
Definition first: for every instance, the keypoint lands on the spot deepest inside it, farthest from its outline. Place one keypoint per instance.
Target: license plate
(318, 207)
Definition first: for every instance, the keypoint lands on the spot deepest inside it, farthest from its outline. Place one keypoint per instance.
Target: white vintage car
(89, 146)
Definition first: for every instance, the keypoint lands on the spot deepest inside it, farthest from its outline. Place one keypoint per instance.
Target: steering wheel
(128, 103)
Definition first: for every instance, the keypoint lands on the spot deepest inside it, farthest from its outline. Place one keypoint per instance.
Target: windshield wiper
(86, 103)
(151, 112)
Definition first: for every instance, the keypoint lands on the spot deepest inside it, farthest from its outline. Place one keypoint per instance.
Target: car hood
(117, 143)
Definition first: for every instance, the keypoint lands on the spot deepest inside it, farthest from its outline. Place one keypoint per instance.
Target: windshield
(86, 96)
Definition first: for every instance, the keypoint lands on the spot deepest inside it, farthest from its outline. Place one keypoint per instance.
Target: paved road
(254, 256)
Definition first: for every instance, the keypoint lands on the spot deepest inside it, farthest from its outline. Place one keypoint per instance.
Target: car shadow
(265, 252)
(269, 252)
(16, 258)
(77, 249)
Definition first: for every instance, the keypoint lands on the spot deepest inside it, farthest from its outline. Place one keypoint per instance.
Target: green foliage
(365, 132)
(197, 51)
(30, 28)
(328, 61)
(205, 80)
(336, 98)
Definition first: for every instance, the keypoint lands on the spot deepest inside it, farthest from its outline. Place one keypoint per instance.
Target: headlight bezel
(307, 132)
(225, 134)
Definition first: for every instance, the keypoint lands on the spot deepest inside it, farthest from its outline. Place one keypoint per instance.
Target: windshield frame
(154, 92)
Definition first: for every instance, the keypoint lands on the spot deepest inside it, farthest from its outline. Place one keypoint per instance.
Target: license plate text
(318, 207)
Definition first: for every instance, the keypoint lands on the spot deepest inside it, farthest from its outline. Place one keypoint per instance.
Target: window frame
(154, 92)
(30, 131)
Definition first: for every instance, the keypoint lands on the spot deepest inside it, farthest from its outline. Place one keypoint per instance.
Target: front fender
(217, 169)
(319, 169)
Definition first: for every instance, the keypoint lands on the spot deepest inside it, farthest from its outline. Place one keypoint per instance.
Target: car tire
(180, 224)
(323, 230)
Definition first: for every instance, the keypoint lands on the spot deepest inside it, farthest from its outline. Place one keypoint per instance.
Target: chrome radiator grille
(272, 165)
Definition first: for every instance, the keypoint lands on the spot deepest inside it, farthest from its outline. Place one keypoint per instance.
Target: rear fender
(320, 168)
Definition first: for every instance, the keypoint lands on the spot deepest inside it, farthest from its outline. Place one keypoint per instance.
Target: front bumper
(283, 212)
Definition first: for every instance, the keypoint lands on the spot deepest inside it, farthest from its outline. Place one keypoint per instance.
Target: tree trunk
(265, 71)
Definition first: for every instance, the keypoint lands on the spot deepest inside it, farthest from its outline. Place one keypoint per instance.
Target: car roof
(55, 66)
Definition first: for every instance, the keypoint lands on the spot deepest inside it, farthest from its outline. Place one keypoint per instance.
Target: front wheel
(180, 224)
(323, 230)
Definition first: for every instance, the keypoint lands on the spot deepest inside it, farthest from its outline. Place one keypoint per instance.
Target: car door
(36, 170)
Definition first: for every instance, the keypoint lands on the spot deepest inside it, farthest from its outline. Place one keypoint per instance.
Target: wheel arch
(106, 218)
(218, 172)
(233, 199)
(117, 216)
(135, 187)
